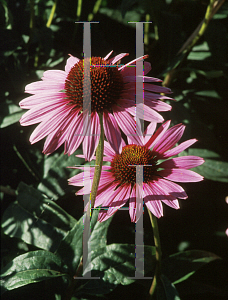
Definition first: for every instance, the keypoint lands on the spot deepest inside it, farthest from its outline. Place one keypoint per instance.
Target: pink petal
(119, 197)
(92, 137)
(183, 162)
(146, 113)
(174, 203)
(55, 139)
(107, 56)
(75, 133)
(112, 132)
(169, 139)
(180, 175)
(171, 188)
(149, 131)
(158, 134)
(151, 201)
(49, 125)
(108, 150)
(56, 75)
(157, 104)
(47, 85)
(82, 179)
(118, 201)
(128, 125)
(132, 70)
(42, 99)
(156, 88)
(179, 148)
(71, 61)
(42, 112)
(117, 58)
(150, 79)
(135, 204)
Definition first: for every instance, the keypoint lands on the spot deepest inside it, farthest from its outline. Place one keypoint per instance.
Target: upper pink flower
(118, 181)
(57, 104)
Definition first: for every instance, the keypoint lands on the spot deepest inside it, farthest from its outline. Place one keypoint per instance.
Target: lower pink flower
(160, 172)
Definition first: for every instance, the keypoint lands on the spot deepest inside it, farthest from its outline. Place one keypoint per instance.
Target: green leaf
(29, 268)
(198, 55)
(116, 265)
(36, 220)
(72, 243)
(56, 173)
(208, 93)
(13, 116)
(180, 266)
(166, 290)
(212, 169)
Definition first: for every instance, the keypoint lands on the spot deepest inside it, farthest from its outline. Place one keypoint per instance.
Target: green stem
(98, 163)
(31, 23)
(51, 14)
(212, 8)
(79, 9)
(95, 10)
(203, 26)
(158, 254)
(96, 179)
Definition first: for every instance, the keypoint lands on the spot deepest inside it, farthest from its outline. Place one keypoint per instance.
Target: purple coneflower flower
(57, 104)
(118, 181)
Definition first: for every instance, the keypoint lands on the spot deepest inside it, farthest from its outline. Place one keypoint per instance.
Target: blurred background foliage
(38, 35)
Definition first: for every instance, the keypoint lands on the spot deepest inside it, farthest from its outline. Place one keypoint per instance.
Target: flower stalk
(51, 14)
(98, 163)
(158, 254)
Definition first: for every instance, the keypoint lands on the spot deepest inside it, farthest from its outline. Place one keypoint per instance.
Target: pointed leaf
(29, 268)
(180, 266)
(116, 265)
(36, 220)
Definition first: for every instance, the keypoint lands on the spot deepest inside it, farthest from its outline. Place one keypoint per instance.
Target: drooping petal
(91, 139)
(183, 162)
(120, 199)
(41, 113)
(171, 188)
(108, 150)
(49, 125)
(112, 131)
(180, 175)
(128, 125)
(75, 133)
(157, 104)
(174, 203)
(136, 203)
(151, 201)
(144, 112)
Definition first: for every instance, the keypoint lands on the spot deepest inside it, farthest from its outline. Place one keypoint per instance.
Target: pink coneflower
(57, 104)
(118, 181)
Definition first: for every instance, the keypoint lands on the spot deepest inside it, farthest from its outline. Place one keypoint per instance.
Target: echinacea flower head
(160, 172)
(59, 102)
